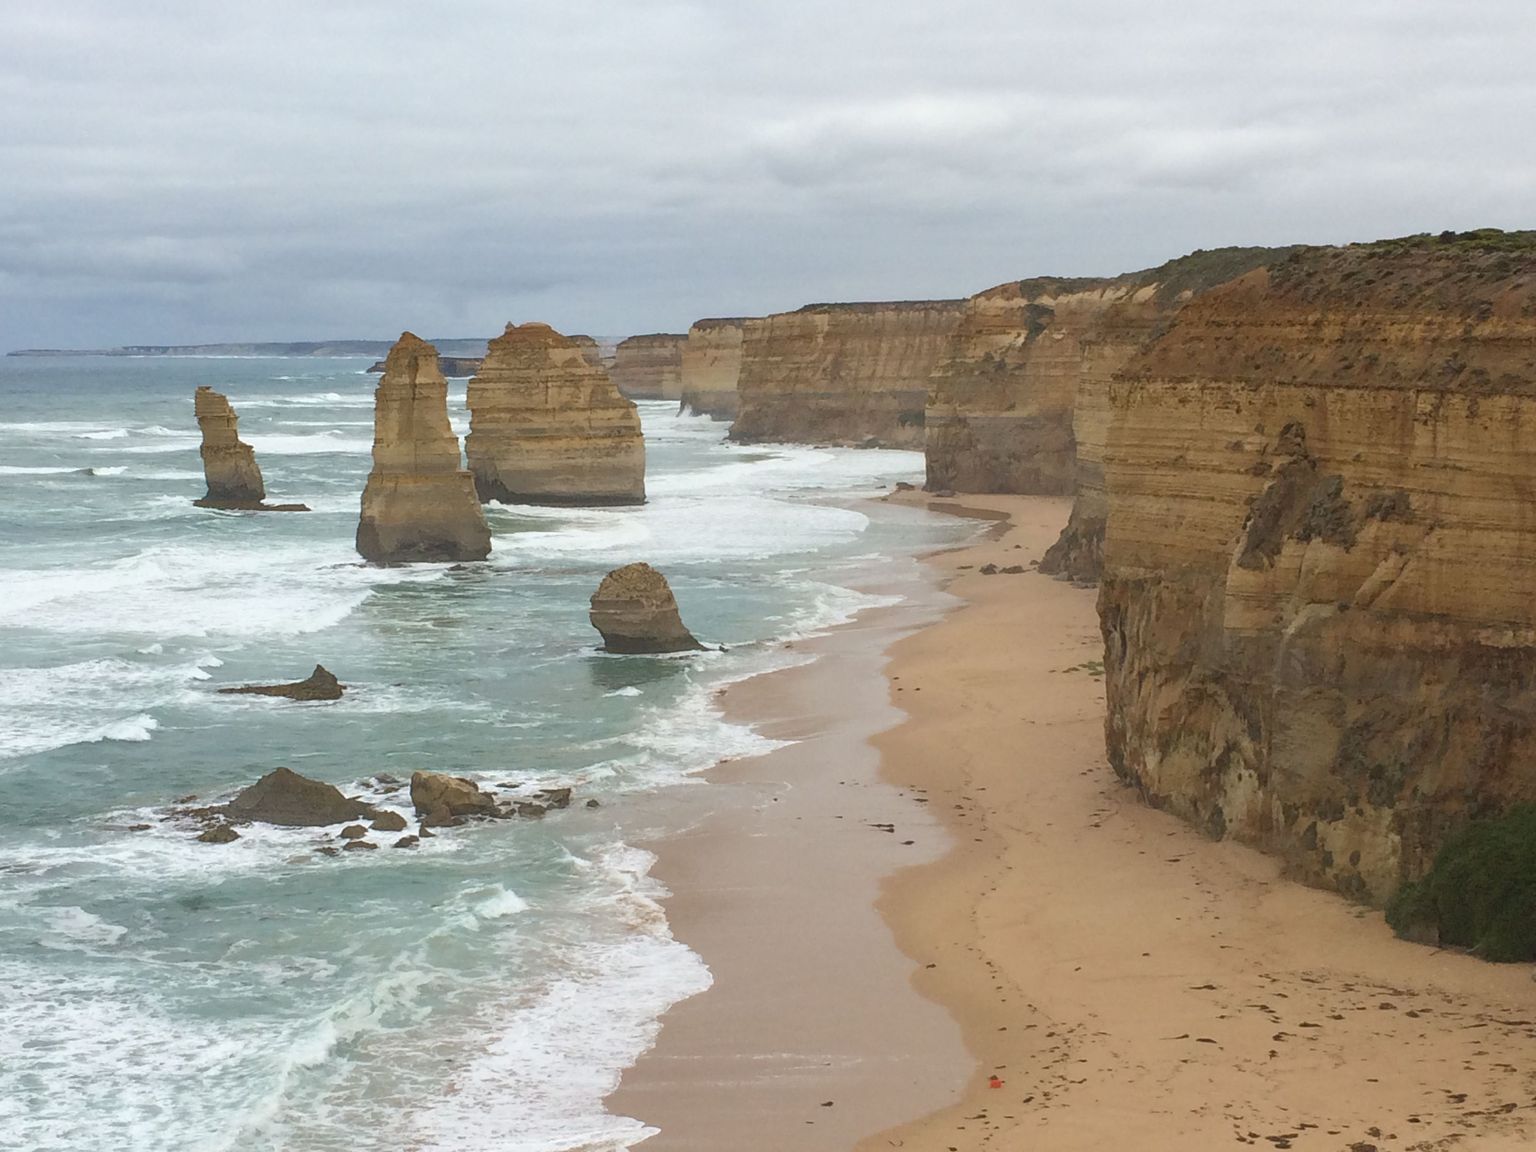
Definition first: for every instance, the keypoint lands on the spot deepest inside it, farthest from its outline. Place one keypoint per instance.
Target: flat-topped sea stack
(650, 367)
(420, 502)
(229, 464)
(636, 613)
(711, 367)
(1316, 601)
(842, 373)
(547, 426)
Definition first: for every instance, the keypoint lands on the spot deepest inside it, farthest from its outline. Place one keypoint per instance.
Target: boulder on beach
(635, 611)
(284, 797)
(442, 797)
(319, 685)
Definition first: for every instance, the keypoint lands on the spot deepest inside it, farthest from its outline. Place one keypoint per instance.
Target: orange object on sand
(994, 1083)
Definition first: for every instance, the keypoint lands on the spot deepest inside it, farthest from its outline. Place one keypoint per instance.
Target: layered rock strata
(591, 350)
(229, 464)
(420, 502)
(650, 367)
(635, 611)
(1319, 633)
(711, 367)
(549, 427)
(451, 366)
(842, 373)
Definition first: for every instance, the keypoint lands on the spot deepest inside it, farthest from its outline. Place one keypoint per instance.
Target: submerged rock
(319, 685)
(437, 795)
(229, 464)
(635, 611)
(285, 798)
(420, 502)
(220, 834)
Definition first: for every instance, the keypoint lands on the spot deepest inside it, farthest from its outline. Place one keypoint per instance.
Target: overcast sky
(190, 170)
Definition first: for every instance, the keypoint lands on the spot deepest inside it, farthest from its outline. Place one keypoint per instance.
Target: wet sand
(1130, 984)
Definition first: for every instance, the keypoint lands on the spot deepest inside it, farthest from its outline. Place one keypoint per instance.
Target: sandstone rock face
(453, 366)
(547, 427)
(711, 367)
(650, 367)
(229, 464)
(591, 350)
(419, 503)
(439, 795)
(320, 684)
(1319, 629)
(286, 798)
(635, 611)
(842, 373)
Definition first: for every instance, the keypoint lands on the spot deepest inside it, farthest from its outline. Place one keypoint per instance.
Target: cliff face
(842, 373)
(711, 367)
(650, 367)
(419, 503)
(548, 427)
(1319, 632)
(229, 464)
(591, 350)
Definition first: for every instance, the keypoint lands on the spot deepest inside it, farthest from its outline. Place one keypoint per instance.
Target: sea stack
(635, 611)
(650, 367)
(547, 426)
(229, 464)
(711, 366)
(419, 504)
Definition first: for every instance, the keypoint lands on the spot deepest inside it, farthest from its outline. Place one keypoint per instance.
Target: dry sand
(1131, 984)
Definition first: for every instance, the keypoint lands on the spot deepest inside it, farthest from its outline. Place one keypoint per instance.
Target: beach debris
(285, 798)
(994, 1082)
(988, 569)
(441, 798)
(636, 613)
(318, 685)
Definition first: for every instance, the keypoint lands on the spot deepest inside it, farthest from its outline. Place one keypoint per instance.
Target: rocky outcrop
(1319, 633)
(284, 797)
(711, 367)
(635, 611)
(591, 350)
(419, 503)
(443, 798)
(650, 367)
(547, 427)
(842, 373)
(229, 464)
(320, 684)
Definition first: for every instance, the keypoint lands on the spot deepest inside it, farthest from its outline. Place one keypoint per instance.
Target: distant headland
(464, 346)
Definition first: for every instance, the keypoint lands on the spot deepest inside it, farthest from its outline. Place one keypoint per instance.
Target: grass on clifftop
(1480, 893)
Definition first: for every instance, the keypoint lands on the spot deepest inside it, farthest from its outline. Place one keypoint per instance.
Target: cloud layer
(182, 171)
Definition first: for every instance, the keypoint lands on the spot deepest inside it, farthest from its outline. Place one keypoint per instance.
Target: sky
(178, 171)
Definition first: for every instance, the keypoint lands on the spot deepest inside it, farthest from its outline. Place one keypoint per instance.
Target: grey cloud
(176, 170)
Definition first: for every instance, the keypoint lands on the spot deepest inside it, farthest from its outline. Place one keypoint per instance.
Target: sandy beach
(1109, 978)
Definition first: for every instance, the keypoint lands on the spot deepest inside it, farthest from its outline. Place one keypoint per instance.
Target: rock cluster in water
(548, 427)
(420, 502)
(635, 611)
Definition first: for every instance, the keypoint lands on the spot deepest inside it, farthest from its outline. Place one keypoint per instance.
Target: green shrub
(1481, 891)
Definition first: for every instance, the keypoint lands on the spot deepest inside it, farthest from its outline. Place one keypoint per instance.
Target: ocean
(483, 991)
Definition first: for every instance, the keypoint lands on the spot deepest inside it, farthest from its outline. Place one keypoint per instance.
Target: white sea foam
(110, 434)
(72, 929)
(631, 690)
(85, 703)
(500, 902)
(22, 470)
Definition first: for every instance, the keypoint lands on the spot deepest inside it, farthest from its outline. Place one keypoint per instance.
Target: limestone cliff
(842, 373)
(591, 350)
(419, 503)
(711, 366)
(650, 367)
(229, 464)
(452, 366)
(1319, 632)
(548, 427)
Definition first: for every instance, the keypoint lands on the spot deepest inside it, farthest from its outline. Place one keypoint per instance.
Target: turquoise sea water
(481, 992)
